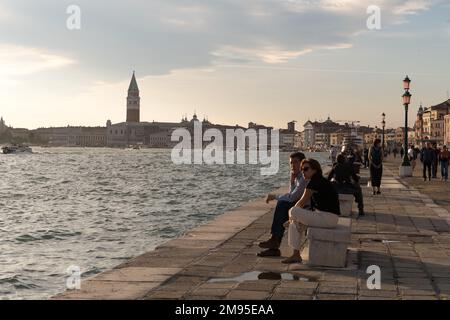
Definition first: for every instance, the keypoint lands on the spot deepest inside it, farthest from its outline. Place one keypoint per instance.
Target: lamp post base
(405, 171)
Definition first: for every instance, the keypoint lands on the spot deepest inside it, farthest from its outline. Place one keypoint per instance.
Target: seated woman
(325, 203)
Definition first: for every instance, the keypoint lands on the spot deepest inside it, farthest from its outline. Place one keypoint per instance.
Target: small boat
(17, 149)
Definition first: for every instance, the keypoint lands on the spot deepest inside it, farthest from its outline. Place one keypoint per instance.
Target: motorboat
(16, 149)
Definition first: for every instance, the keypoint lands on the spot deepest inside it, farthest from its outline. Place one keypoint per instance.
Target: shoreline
(410, 245)
(141, 274)
(151, 269)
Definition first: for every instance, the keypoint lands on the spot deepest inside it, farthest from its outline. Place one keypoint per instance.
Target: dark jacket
(428, 155)
(343, 173)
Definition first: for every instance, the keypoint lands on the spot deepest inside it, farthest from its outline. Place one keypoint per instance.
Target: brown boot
(272, 243)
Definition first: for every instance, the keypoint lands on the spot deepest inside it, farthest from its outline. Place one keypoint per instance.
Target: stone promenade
(404, 232)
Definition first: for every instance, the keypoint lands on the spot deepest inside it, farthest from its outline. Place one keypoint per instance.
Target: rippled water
(95, 208)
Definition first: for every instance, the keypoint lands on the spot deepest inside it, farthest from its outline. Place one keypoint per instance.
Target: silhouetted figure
(376, 165)
(427, 156)
(346, 181)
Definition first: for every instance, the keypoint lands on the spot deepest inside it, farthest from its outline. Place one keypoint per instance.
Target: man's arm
(295, 194)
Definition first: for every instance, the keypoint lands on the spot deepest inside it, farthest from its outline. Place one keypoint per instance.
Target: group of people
(431, 157)
(313, 200)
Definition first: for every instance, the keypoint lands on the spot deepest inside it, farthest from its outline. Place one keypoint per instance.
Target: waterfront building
(369, 137)
(298, 141)
(389, 137)
(447, 130)
(287, 136)
(318, 133)
(3, 126)
(337, 138)
(418, 125)
(133, 101)
(20, 134)
(430, 123)
(399, 139)
(71, 136)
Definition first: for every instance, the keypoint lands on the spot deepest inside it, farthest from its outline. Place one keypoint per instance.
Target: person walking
(427, 156)
(412, 157)
(434, 165)
(366, 157)
(395, 152)
(444, 157)
(376, 165)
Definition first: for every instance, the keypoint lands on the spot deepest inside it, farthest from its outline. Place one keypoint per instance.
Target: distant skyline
(263, 61)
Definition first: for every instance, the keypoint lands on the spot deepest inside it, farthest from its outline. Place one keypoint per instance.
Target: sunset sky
(235, 61)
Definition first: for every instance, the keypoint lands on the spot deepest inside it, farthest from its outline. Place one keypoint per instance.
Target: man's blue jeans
(444, 169)
(280, 216)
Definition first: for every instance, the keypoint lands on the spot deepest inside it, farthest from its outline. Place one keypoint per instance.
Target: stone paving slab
(405, 232)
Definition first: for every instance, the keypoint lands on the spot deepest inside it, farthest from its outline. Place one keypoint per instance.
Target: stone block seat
(346, 204)
(328, 247)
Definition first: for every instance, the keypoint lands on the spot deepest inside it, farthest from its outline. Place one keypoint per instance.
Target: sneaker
(269, 253)
(378, 192)
(272, 243)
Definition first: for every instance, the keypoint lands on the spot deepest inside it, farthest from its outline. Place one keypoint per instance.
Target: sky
(232, 61)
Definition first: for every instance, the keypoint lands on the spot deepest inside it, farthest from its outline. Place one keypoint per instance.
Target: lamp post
(383, 123)
(405, 168)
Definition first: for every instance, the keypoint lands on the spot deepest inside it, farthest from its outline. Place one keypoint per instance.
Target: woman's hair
(314, 164)
(376, 142)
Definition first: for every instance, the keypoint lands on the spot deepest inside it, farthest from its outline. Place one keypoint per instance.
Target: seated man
(341, 175)
(285, 202)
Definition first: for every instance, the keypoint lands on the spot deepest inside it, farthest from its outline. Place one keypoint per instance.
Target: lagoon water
(95, 208)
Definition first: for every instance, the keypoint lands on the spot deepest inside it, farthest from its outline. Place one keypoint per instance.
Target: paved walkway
(404, 232)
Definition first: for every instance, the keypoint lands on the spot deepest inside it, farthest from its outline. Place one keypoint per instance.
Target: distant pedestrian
(427, 157)
(402, 152)
(376, 165)
(435, 163)
(444, 157)
(395, 151)
(412, 157)
(366, 157)
(333, 154)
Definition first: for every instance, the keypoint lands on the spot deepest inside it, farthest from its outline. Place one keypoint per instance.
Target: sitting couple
(311, 202)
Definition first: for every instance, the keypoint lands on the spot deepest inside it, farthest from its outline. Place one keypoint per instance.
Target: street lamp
(405, 168)
(383, 123)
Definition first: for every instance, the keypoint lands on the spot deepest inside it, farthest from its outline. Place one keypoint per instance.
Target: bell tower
(133, 101)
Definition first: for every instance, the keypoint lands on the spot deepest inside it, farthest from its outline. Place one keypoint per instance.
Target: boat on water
(16, 149)
(352, 141)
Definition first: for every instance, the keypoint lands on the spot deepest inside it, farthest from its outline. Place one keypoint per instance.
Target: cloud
(155, 37)
(413, 7)
(19, 60)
